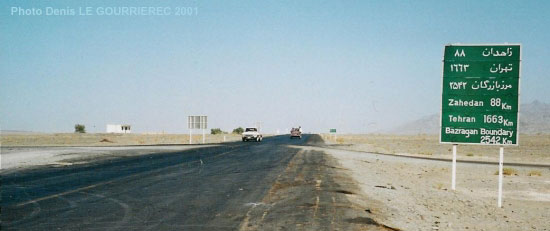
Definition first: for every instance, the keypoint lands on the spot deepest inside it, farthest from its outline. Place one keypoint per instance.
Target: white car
(252, 133)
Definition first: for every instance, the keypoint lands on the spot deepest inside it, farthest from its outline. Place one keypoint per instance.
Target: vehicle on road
(296, 133)
(252, 133)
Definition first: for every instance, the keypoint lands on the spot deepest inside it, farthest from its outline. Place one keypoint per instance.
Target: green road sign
(333, 130)
(480, 100)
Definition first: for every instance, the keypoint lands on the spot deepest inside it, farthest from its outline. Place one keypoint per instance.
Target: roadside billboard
(197, 122)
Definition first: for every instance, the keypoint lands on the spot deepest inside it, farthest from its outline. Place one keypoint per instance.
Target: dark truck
(295, 133)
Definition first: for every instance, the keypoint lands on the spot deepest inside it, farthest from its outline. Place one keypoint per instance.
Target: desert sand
(108, 139)
(415, 194)
(532, 149)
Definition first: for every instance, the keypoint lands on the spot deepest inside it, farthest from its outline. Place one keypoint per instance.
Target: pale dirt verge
(16, 158)
(416, 193)
(108, 139)
(19, 151)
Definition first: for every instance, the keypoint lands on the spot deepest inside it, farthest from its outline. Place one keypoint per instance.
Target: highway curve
(233, 186)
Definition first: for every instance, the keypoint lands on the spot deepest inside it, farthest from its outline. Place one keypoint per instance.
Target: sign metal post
(453, 185)
(500, 164)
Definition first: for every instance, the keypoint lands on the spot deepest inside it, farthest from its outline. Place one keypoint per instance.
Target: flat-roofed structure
(119, 128)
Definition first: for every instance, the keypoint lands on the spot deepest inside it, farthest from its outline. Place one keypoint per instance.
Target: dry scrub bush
(535, 173)
(508, 172)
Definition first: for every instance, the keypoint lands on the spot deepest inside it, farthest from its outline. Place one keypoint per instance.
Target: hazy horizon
(358, 66)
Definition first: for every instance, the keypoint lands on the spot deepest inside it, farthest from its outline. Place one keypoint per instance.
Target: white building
(119, 128)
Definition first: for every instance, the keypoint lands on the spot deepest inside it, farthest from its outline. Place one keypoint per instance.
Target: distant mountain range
(534, 118)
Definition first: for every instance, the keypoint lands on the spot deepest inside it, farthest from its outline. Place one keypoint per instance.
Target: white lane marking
(62, 194)
(316, 207)
(253, 204)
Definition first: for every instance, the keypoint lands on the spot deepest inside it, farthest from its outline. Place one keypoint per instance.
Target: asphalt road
(202, 189)
(277, 184)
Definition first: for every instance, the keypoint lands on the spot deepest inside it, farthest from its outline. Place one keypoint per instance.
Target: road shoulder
(314, 193)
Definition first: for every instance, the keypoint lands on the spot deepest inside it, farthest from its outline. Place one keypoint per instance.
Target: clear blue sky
(358, 66)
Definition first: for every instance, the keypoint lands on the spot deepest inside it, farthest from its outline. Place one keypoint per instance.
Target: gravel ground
(13, 158)
(414, 194)
(108, 139)
(532, 149)
(62, 149)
